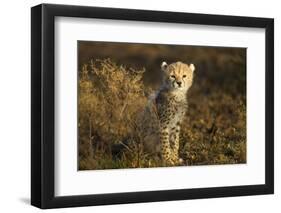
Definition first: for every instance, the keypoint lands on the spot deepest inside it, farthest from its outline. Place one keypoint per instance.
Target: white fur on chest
(177, 117)
(179, 104)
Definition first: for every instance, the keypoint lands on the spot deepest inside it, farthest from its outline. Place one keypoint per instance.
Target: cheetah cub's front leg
(174, 142)
(165, 146)
(170, 145)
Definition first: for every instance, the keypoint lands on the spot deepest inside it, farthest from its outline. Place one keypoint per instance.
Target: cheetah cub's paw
(181, 161)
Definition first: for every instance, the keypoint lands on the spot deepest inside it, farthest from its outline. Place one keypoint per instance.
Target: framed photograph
(139, 106)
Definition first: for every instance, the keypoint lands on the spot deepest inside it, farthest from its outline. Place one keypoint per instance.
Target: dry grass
(112, 96)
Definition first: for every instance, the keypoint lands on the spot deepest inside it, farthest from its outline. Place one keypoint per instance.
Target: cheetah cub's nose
(179, 83)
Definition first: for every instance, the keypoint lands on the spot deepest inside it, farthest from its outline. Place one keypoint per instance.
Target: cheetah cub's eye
(184, 76)
(172, 76)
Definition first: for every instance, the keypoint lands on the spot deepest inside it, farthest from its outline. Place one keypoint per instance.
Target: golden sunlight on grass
(113, 95)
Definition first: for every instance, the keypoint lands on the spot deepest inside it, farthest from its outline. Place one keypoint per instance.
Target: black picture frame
(43, 102)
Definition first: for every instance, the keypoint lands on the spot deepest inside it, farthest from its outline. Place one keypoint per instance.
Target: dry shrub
(110, 98)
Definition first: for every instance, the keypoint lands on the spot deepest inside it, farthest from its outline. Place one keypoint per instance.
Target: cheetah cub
(170, 104)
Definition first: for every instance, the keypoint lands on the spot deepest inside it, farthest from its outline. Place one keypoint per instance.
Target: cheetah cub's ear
(164, 66)
(192, 67)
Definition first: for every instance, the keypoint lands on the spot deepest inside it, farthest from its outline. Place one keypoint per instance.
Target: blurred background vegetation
(115, 80)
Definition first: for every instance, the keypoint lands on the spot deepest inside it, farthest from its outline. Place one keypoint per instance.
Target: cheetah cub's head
(178, 75)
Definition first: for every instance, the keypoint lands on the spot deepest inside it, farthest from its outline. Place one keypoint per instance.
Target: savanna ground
(115, 80)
